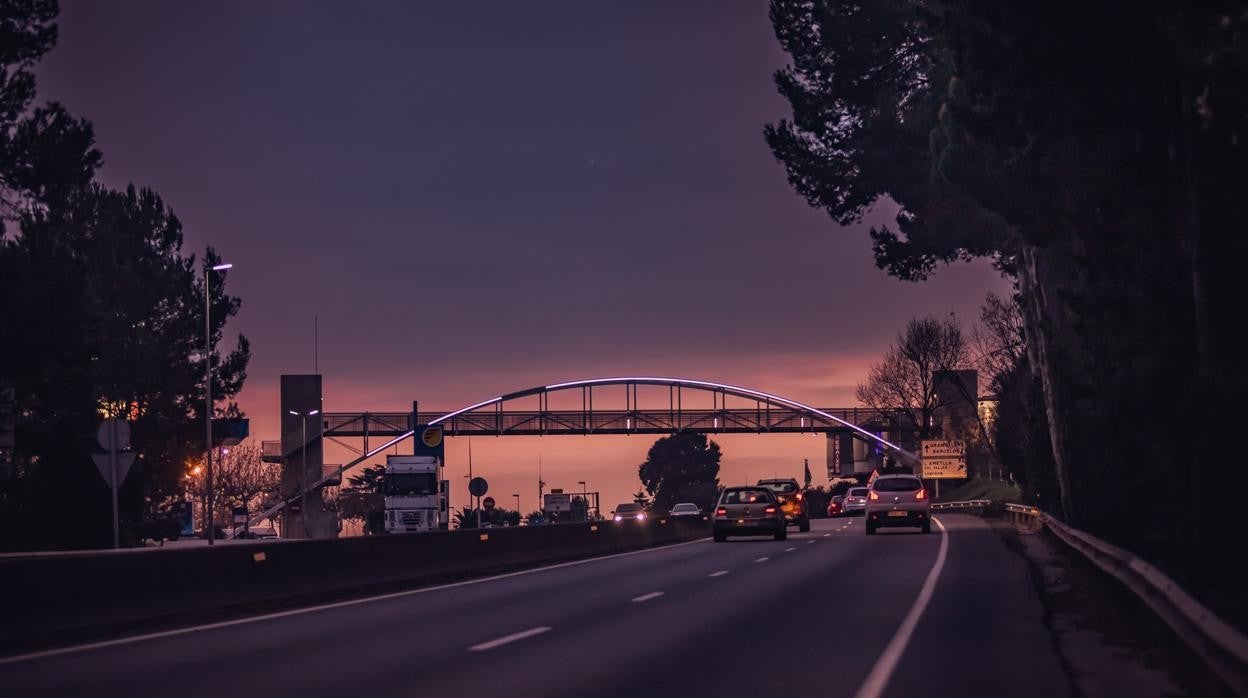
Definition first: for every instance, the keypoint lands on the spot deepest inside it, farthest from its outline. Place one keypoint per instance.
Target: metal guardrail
(968, 504)
(1221, 646)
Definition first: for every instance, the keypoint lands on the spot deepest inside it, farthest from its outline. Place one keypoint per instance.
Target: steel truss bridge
(513, 414)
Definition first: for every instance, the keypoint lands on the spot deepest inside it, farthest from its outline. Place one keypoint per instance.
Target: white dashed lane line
(718, 574)
(646, 597)
(762, 559)
(789, 550)
(508, 639)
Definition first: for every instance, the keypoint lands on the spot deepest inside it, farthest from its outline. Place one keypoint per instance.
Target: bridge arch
(783, 406)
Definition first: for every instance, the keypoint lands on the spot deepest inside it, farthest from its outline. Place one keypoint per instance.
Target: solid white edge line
(647, 597)
(15, 659)
(508, 639)
(718, 574)
(877, 680)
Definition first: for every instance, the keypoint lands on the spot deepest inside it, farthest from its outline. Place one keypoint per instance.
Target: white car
(898, 500)
(685, 509)
(855, 501)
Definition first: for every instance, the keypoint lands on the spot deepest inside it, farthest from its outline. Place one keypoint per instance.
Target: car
(792, 500)
(898, 500)
(685, 509)
(628, 511)
(855, 501)
(258, 533)
(748, 511)
(835, 507)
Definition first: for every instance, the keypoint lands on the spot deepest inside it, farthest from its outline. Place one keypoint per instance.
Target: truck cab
(416, 497)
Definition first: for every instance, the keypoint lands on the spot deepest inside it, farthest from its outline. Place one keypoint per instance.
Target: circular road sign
(477, 486)
(432, 436)
(488, 502)
(111, 429)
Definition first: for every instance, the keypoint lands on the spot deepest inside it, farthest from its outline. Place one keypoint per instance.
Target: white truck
(416, 496)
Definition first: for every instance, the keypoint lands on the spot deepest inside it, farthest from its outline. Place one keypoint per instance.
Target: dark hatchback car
(748, 511)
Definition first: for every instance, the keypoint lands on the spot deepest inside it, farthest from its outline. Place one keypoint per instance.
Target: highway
(829, 613)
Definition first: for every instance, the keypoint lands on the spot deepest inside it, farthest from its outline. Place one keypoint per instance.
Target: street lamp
(208, 391)
(303, 470)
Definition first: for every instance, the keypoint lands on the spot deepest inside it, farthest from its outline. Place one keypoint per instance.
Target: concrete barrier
(57, 597)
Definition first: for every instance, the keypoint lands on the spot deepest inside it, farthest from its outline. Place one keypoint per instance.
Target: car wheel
(870, 529)
(783, 533)
(803, 525)
(719, 537)
(927, 528)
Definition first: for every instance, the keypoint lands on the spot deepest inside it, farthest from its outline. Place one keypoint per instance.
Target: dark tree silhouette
(683, 467)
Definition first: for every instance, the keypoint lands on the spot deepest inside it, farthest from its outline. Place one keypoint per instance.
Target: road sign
(240, 516)
(477, 486)
(557, 501)
(487, 503)
(113, 435)
(104, 462)
(944, 459)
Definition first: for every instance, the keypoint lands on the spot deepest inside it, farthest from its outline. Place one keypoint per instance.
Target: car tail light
(769, 510)
(721, 512)
(799, 496)
(873, 495)
(922, 494)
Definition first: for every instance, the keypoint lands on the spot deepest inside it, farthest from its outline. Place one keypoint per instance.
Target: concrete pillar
(302, 394)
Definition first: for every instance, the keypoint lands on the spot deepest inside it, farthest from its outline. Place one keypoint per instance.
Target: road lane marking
(508, 639)
(826, 535)
(718, 574)
(762, 559)
(323, 607)
(812, 541)
(877, 680)
(789, 550)
(647, 597)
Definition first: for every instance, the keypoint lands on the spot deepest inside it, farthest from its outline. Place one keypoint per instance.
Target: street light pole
(517, 505)
(303, 470)
(208, 392)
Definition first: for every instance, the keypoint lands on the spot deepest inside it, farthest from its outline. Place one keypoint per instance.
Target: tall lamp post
(212, 529)
(303, 470)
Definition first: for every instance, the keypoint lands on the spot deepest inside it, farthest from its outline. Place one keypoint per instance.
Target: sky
(474, 198)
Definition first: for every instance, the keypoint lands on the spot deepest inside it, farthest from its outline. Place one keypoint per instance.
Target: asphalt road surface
(832, 612)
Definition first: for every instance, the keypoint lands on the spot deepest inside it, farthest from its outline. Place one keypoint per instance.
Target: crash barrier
(969, 504)
(63, 597)
(1022, 513)
(1221, 646)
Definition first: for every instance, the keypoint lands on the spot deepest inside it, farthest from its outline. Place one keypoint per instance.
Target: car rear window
(781, 487)
(858, 492)
(898, 484)
(746, 496)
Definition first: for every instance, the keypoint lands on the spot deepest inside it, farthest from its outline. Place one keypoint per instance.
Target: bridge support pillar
(303, 459)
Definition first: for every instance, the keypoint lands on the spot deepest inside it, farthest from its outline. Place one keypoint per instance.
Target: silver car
(898, 500)
(855, 501)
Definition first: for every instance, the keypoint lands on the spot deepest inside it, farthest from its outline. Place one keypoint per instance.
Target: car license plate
(897, 513)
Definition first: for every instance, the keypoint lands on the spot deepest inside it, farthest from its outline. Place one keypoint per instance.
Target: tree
(110, 312)
(1106, 177)
(683, 467)
(904, 379)
(364, 494)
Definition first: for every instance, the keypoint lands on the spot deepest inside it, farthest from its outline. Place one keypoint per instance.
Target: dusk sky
(476, 198)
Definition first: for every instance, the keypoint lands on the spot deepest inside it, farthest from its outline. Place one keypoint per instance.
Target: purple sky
(476, 198)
